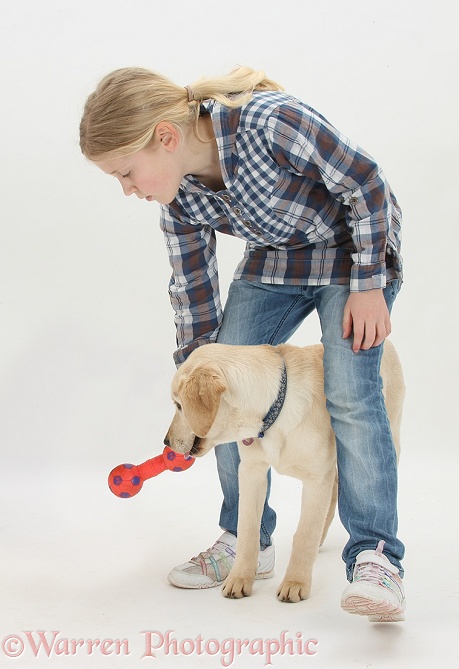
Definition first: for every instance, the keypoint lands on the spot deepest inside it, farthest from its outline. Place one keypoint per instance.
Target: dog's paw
(236, 587)
(293, 591)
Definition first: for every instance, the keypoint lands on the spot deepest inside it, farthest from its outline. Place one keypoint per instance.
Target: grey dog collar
(277, 405)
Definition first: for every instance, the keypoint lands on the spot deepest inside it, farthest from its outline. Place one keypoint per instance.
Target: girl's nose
(128, 189)
(127, 186)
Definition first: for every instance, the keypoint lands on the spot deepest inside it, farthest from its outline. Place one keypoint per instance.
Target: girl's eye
(125, 176)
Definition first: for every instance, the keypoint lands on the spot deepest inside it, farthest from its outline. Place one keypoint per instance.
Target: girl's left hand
(367, 316)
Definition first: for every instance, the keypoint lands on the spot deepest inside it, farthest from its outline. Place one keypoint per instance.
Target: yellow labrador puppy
(270, 399)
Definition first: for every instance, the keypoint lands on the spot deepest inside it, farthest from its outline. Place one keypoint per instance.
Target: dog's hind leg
(316, 497)
(331, 510)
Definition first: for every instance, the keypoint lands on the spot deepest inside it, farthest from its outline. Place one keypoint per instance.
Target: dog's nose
(166, 441)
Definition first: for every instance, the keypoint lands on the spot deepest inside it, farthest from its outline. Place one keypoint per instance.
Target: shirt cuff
(182, 353)
(368, 277)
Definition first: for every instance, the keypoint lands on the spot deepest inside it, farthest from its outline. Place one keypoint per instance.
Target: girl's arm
(193, 287)
(305, 143)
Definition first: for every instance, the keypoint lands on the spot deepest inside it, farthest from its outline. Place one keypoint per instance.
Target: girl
(237, 155)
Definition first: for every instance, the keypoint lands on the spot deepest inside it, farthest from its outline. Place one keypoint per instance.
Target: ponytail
(121, 115)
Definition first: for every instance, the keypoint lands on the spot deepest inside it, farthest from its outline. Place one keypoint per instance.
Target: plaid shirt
(313, 207)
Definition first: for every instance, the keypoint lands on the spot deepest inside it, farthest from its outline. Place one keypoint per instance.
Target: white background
(86, 331)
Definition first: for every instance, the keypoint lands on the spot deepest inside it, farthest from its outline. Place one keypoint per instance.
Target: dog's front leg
(252, 493)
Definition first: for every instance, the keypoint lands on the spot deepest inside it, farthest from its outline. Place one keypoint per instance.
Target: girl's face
(153, 173)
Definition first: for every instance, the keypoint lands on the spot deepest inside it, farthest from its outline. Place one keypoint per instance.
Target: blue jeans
(258, 313)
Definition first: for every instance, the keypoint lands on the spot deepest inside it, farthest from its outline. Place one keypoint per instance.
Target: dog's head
(211, 407)
(196, 393)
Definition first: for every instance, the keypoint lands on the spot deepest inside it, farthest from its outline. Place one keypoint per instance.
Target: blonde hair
(121, 115)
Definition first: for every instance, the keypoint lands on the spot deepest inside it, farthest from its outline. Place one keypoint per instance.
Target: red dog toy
(127, 480)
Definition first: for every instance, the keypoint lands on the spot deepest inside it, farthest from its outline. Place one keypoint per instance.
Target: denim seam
(267, 541)
(284, 318)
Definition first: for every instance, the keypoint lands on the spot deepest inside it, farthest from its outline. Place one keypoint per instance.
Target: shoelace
(374, 573)
(218, 547)
(214, 559)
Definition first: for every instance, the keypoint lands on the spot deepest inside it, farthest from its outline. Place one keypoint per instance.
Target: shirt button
(237, 211)
(353, 200)
(227, 198)
(252, 228)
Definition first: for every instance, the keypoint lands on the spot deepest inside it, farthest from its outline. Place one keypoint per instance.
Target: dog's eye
(178, 406)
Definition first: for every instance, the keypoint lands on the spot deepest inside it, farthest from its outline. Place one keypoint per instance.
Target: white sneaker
(211, 567)
(376, 590)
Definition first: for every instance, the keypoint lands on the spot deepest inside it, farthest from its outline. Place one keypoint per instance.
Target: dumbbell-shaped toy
(127, 480)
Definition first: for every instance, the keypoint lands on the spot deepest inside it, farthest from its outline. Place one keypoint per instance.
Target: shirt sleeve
(304, 143)
(193, 287)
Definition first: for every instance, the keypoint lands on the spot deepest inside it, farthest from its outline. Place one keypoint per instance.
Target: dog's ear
(200, 397)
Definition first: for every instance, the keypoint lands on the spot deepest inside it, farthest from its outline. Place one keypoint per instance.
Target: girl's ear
(167, 135)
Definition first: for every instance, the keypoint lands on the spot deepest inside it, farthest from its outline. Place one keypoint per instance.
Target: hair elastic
(190, 93)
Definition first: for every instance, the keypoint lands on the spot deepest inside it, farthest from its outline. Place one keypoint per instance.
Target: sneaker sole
(213, 584)
(265, 574)
(380, 612)
(387, 618)
(189, 586)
